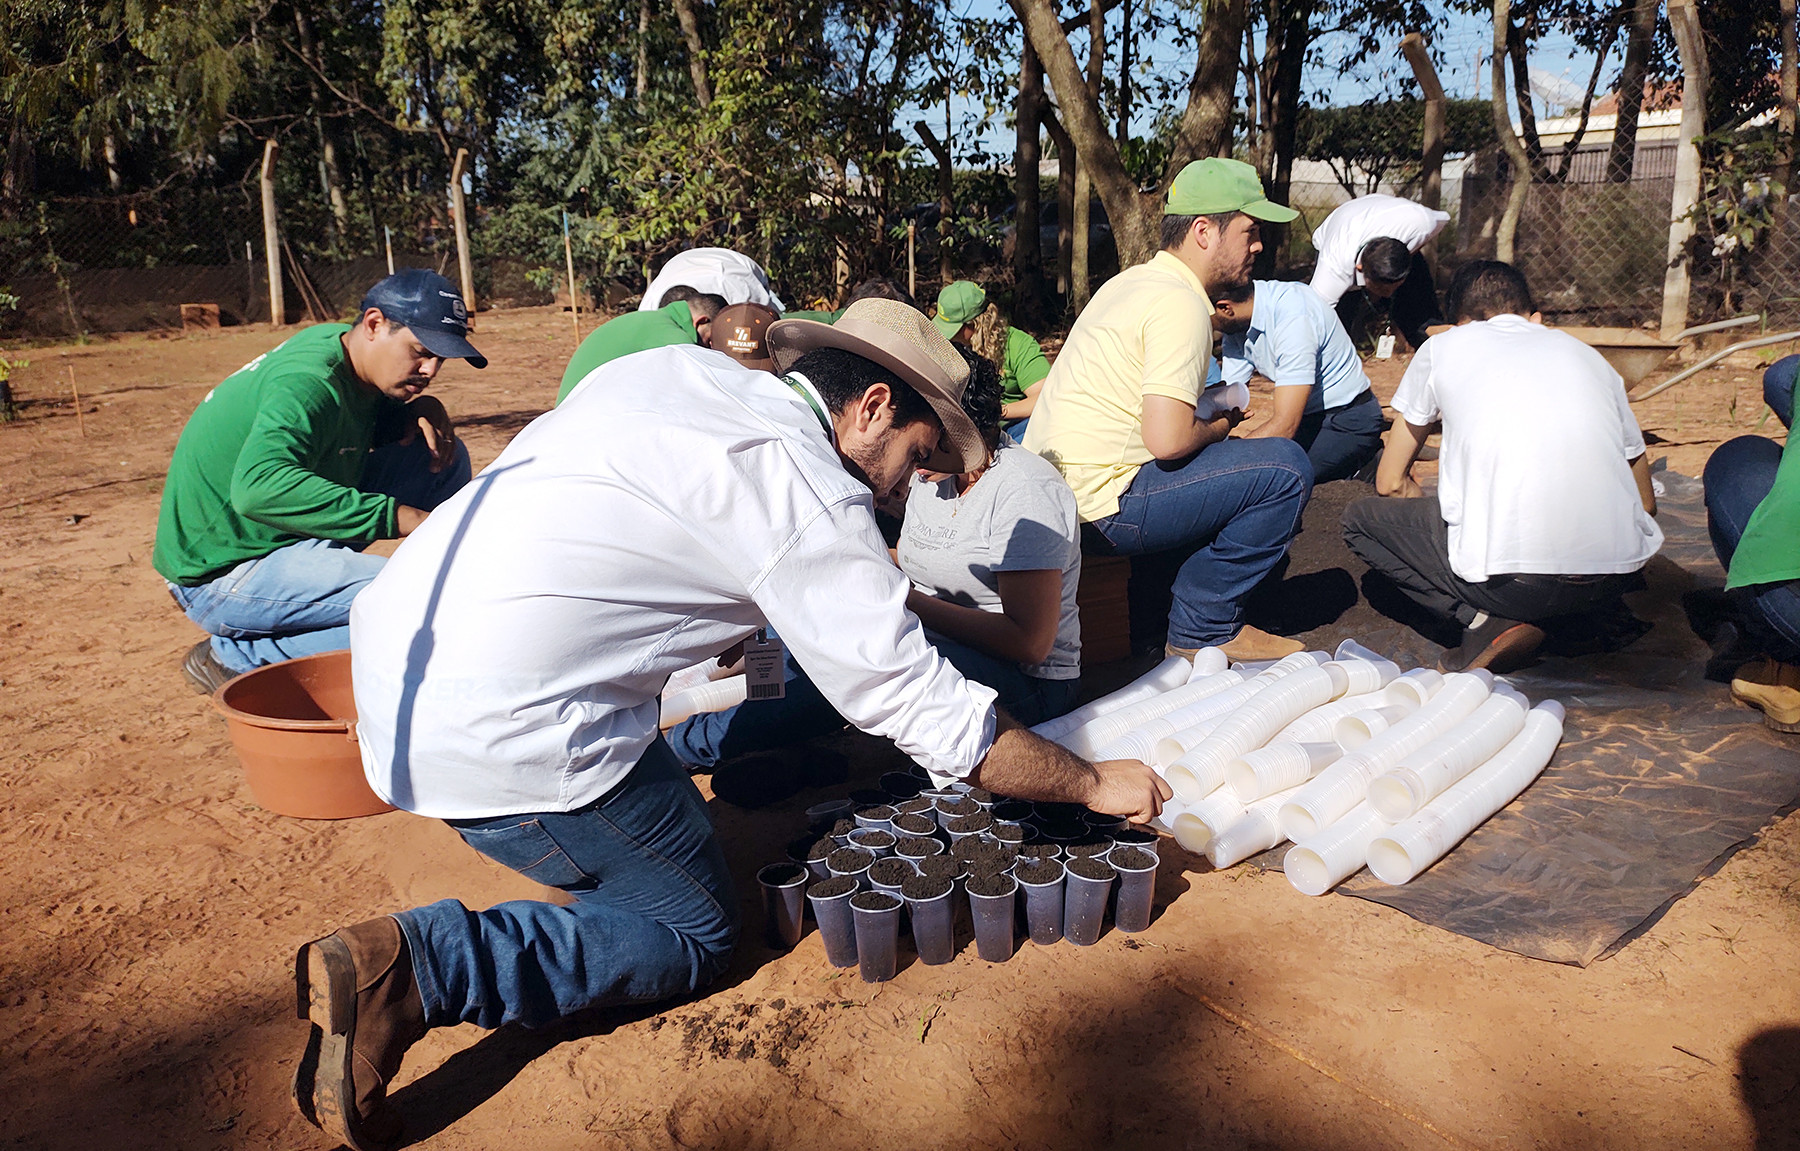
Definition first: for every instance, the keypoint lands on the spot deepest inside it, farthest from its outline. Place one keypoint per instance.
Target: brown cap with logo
(738, 332)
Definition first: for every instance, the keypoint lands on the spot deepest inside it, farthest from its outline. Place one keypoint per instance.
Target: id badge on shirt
(763, 678)
(1384, 347)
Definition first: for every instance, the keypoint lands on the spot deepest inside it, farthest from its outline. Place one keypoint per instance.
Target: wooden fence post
(1684, 21)
(459, 212)
(1431, 189)
(272, 235)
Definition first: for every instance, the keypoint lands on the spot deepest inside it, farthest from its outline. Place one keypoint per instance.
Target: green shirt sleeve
(623, 335)
(282, 473)
(1770, 549)
(1025, 365)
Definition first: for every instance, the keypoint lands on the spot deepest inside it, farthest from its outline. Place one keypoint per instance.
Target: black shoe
(1500, 645)
(202, 668)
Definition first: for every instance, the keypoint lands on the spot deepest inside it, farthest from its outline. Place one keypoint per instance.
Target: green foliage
(1370, 144)
(1738, 198)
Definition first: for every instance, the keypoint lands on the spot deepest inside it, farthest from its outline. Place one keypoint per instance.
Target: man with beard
(1122, 415)
(508, 662)
(299, 460)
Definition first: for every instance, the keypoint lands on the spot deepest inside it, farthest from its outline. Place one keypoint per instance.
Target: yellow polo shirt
(1147, 331)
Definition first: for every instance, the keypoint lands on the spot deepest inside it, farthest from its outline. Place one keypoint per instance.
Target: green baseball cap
(959, 302)
(1213, 185)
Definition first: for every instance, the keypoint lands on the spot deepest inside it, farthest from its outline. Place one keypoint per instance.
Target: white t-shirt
(1534, 474)
(1340, 239)
(1019, 516)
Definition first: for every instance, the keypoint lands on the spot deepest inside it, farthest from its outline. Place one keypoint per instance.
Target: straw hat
(902, 340)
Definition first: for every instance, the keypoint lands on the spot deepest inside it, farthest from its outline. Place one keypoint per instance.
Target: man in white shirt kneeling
(1543, 507)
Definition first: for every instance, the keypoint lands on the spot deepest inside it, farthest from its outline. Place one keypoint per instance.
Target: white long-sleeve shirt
(509, 656)
(1339, 239)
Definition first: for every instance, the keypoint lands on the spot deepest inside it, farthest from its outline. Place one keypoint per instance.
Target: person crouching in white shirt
(1543, 507)
(508, 661)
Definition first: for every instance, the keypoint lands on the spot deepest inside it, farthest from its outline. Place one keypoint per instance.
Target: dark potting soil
(990, 883)
(918, 846)
(867, 797)
(821, 848)
(1042, 871)
(832, 888)
(1090, 868)
(849, 859)
(1040, 851)
(914, 824)
(875, 901)
(918, 804)
(963, 806)
(926, 886)
(985, 855)
(891, 872)
(1131, 859)
(1008, 833)
(843, 827)
(980, 821)
(981, 795)
(876, 811)
(940, 867)
(1058, 812)
(781, 874)
(1134, 836)
(1088, 846)
(875, 839)
(1063, 832)
(1012, 810)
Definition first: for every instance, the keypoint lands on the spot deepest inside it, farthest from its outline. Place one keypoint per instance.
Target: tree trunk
(696, 50)
(1065, 197)
(1507, 232)
(946, 195)
(1284, 54)
(1125, 78)
(641, 81)
(109, 151)
(19, 178)
(331, 177)
(1690, 42)
(1206, 125)
(1784, 122)
(1521, 78)
(1028, 250)
(1083, 225)
(1631, 87)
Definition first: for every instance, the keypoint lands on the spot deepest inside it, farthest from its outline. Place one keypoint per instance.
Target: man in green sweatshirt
(685, 319)
(299, 460)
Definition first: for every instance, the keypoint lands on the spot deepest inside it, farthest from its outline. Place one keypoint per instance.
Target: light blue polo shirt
(1295, 339)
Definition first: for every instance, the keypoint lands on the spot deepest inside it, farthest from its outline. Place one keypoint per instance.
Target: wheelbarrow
(1635, 354)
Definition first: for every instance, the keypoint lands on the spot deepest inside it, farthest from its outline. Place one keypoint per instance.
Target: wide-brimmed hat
(902, 340)
(740, 332)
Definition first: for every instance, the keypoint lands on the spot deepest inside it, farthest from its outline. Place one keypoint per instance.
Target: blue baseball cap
(432, 308)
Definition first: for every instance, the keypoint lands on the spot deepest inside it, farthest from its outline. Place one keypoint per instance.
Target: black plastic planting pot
(784, 902)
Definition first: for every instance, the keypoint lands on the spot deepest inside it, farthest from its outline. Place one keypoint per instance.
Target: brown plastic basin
(1632, 354)
(294, 727)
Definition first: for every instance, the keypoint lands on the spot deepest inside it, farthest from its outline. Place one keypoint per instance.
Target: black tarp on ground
(1659, 778)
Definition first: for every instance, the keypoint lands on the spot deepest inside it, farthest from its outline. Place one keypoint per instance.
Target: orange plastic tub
(294, 727)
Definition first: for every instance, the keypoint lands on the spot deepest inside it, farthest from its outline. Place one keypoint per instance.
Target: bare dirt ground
(152, 911)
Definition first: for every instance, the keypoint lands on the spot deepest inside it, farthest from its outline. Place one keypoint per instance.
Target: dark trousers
(1408, 542)
(1412, 309)
(1738, 476)
(1340, 441)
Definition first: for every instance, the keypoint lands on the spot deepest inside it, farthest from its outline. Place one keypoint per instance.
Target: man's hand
(407, 520)
(433, 422)
(1128, 788)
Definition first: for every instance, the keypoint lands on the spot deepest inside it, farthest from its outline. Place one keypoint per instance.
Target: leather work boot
(1253, 643)
(1773, 688)
(202, 669)
(1500, 645)
(357, 989)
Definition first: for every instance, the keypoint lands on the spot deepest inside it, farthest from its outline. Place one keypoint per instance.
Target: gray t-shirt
(1019, 516)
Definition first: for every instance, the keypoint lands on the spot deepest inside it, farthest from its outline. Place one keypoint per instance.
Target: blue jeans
(1340, 441)
(1237, 503)
(295, 601)
(655, 914)
(704, 741)
(1738, 476)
